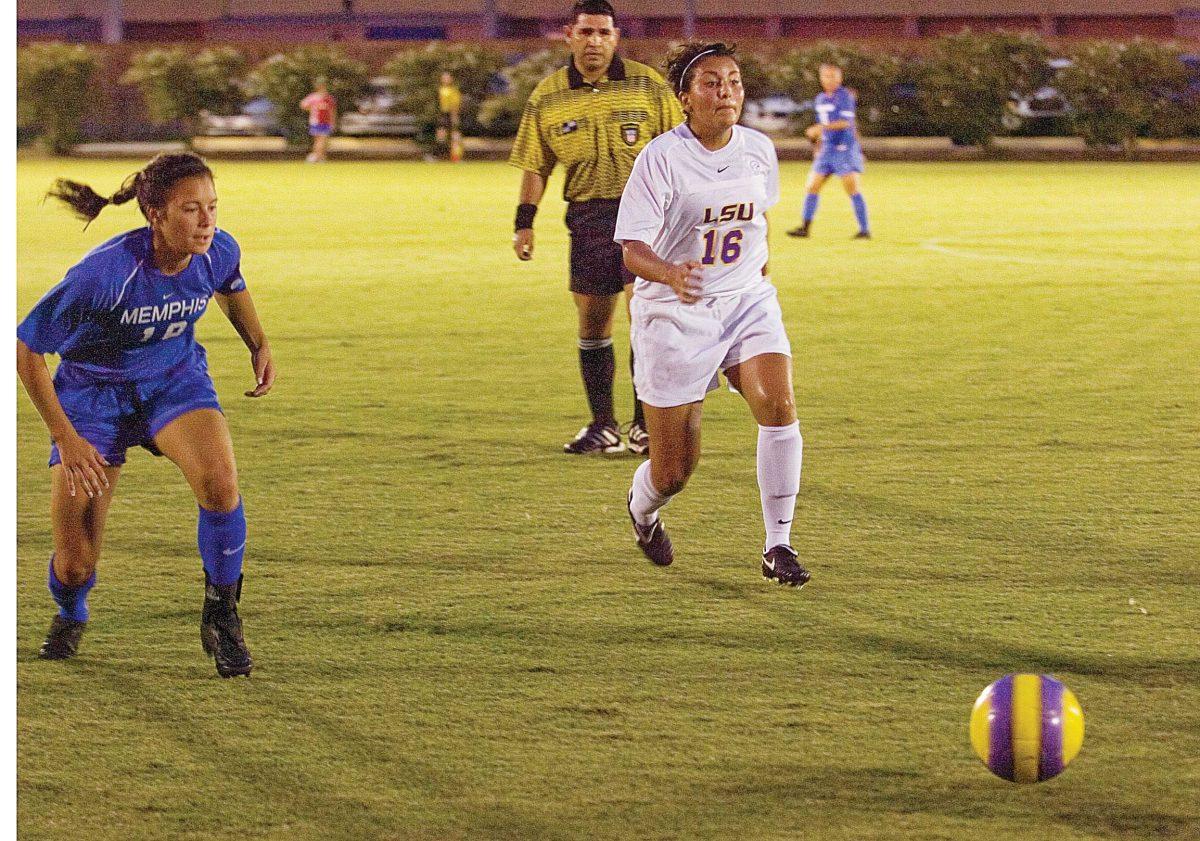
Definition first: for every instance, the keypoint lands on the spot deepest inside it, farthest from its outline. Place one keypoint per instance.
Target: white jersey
(688, 203)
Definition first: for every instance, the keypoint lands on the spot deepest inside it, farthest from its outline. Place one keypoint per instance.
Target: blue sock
(222, 541)
(860, 211)
(71, 601)
(810, 206)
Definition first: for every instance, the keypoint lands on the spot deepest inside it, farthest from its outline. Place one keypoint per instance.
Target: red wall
(1117, 26)
(850, 27)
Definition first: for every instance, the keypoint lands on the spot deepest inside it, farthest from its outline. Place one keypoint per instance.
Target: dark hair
(148, 185)
(592, 7)
(681, 61)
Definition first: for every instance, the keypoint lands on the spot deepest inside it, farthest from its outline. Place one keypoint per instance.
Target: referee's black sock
(598, 365)
(638, 416)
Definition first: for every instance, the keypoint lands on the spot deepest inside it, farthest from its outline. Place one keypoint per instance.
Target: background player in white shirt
(693, 228)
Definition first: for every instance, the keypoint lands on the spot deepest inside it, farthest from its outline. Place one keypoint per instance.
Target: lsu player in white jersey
(693, 229)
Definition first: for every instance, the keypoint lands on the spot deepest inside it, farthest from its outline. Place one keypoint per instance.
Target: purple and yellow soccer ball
(1027, 728)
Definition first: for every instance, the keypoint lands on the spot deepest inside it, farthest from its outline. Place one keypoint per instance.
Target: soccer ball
(1026, 728)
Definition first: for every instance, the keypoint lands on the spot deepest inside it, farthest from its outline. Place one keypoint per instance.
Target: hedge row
(957, 85)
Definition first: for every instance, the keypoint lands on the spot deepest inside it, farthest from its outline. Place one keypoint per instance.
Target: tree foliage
(415, 73)
(1123, 91)
(286, 78)
(501, 114)
(178, 86)
(54, 91)
(885, 84)
(969, 78)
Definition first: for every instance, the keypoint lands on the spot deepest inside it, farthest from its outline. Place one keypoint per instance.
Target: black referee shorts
(596, 265)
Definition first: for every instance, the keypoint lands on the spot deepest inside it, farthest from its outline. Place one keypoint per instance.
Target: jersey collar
(616, 73)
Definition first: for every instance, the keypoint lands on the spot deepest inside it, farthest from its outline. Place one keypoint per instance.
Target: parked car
(774, 114)
(257, 118)
(1191, 64)
(1043, 111)
(375, 113)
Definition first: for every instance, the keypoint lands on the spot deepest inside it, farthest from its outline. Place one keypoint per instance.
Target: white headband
(688, 66)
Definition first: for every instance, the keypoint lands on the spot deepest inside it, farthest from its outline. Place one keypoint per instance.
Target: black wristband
(525, 214)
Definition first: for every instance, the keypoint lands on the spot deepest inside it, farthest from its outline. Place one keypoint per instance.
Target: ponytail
(85, 202)
(149, 186)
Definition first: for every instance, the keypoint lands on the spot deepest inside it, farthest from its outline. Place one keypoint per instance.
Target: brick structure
(392, 20)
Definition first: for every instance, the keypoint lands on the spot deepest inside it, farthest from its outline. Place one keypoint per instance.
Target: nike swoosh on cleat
(769, 564)
(233, 551)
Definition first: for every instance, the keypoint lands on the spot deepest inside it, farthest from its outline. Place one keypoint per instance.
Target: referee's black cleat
(801, 231)
(221, 629)
(862, 235)
(639, 439)
(62, 641)
(652, 539)
(596, 437)
(779, 564)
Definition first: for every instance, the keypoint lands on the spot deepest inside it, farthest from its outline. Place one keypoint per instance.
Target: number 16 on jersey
(729, 249)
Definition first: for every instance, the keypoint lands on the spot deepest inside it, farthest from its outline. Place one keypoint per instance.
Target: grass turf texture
(455, 636)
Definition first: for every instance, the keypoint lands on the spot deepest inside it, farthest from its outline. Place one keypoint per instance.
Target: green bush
(500, 115)
(970, 77)
(1123, 91)
(416, 73)
(54, 90)
(884, 83)
(178, 86)
(286, 78)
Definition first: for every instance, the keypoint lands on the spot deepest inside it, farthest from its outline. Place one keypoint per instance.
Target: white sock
(646, 499)
(780, 450)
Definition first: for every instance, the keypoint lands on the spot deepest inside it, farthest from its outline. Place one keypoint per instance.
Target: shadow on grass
(890, 791)
(981, 654)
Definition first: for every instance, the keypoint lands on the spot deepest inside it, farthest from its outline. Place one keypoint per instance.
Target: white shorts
(678, 348)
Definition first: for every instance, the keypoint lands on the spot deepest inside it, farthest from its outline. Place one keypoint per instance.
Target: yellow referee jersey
(449, 98)
(596, 131)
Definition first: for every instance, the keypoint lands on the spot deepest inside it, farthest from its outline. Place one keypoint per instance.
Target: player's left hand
(264, 370)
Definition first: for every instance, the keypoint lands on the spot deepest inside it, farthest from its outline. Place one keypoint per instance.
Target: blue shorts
(838, 162)
(113, 416)
(320, 129)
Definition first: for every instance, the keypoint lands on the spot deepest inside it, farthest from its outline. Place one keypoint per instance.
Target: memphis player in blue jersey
(838, 151)
(132, 374)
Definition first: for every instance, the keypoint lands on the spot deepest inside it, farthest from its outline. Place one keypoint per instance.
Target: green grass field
(455, 636)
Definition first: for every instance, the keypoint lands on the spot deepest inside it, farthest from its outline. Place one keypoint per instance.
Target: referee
(594, 115)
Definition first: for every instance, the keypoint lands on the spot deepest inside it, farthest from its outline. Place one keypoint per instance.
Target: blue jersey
(831, 107)
(115, 317)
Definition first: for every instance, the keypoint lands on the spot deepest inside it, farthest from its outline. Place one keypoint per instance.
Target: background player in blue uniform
(838, 150)
(123, 323)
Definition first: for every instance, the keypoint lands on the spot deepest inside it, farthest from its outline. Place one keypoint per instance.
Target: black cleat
(779, 564)
(596, 437)
(652, 539)
(862, 235)
(62, 641)
(801, 231)
(639, 439)
(221, 629)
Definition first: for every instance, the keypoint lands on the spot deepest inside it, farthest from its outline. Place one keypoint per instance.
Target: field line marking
(937, 247)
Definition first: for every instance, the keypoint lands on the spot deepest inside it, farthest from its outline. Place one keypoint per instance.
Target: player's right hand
(523, 244)
(684, 278)
(83, 466)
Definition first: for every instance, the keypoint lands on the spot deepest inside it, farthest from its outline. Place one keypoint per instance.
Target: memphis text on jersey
(165, 312)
